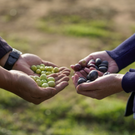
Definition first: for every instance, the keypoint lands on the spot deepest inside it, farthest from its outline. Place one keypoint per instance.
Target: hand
(25, 61)
(101, 87)
(25, 87)
(112, 67)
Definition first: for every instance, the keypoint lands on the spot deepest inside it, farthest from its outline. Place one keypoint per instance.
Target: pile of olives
(98, 64)
(43, 71)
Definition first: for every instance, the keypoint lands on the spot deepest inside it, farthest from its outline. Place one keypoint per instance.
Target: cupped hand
(25, 87)
(101, 87)
(103, 55)
(25, 62)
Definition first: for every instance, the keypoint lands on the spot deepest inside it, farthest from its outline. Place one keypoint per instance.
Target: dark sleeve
(128, 81)
(4, 47)
(124, 53)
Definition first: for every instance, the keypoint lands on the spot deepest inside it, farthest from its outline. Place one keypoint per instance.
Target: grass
(76, 26)
(67, 113)
(75, 117)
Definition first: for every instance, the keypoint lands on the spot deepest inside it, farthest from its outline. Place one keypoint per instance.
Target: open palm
(27, 60)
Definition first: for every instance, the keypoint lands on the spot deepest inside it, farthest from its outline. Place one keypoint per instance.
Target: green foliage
(86, 31)
(76, 26)
(72, 115)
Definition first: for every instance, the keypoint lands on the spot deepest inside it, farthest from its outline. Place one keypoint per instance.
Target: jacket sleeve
(4, 47)
(124, 55)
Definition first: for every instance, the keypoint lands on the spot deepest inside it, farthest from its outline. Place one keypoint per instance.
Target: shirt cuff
(128, 81)
(4, 47)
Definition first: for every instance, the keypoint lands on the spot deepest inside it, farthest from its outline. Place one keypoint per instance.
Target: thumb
(87, 86)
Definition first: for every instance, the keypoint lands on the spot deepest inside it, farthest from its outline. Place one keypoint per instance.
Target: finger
(75, 80)
(83, 73)
(66, 73)
(79, 74)
(86, 59)
(62, 79)
(49, 92)
(53, 75)
(64, 69)
(47, 63)
(91, 94)
(60, 87)
(44, 94)
(87, 70)
(72, 66)
(59, 77)
(88, 86)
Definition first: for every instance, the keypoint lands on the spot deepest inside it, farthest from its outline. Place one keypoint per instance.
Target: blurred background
(63, 32)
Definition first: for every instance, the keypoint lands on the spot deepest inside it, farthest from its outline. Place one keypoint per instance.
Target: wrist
(119, 82)
(12, 59)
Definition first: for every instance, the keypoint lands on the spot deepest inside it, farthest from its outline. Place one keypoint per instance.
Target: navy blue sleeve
(124, 55)
(128, 81)
(4, 47)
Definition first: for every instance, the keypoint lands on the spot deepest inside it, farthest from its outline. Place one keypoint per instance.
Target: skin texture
(103, 86)
(19, 82)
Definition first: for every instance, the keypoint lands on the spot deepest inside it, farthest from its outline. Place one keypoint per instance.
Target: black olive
(88, 81)
(103, 69)
(103, 65)
(105, 62)
(106, 73)
(98, 61)
(92, 75)
(81, 80)
(91, 65)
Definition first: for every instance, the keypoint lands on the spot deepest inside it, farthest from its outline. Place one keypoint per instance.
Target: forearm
(4, 47)
(6, 80)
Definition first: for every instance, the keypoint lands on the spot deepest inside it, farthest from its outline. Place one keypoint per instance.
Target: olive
(83, 63)
(103, 65)
(92, 61)
(93, 74)
(103, 69)
(98, 61)
(96, 67)
(105, 62)
(81, 80)
(77, 67)
(91, 65)
(106, 73)
(88, 81)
